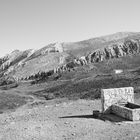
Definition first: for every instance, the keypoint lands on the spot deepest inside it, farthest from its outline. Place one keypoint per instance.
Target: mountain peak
(118, 35)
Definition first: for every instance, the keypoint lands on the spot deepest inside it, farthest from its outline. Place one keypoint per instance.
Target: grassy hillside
(87, 81)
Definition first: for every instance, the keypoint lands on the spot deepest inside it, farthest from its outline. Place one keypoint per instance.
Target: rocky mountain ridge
(59, 57)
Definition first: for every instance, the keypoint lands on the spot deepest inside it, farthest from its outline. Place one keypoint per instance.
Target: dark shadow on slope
(7, 83)
(78, 116)
(11, 101)
(99, 116)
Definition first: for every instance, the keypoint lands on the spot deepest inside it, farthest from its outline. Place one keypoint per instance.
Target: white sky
(26, 24)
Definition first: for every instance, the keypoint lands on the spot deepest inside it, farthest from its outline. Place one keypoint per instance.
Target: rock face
(60, 57)
(116, 50)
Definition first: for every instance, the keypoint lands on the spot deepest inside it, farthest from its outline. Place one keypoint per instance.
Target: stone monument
(120, 101)
(116, 96)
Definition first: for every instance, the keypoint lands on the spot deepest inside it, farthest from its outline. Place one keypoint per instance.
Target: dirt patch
(67, 120)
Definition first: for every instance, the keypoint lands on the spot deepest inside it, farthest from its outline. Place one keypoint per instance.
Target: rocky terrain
(65, 120)
(60, 57)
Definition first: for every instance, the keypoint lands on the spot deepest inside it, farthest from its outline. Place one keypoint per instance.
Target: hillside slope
(60, 57)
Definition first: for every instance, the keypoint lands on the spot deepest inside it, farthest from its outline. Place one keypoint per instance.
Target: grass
(86, 85)
(86, 82)
(89, 87)
(83, 82)
(11, 101)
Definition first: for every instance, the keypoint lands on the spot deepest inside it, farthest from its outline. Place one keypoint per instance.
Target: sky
(26, 24)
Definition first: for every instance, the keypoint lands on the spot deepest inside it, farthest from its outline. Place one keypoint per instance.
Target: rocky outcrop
(58, 47)
(51, 48)
(13, 58)
(116, 50)
(128, 47)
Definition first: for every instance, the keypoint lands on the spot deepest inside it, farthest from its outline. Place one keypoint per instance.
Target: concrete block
(116, 96)
(128, 111)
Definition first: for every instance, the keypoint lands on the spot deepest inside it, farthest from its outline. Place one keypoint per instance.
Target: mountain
(61, 57)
